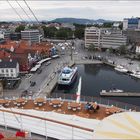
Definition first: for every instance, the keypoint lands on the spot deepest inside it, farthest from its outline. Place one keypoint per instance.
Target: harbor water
(97, 77)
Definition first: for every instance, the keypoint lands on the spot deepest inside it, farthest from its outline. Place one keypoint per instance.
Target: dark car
(33, 84)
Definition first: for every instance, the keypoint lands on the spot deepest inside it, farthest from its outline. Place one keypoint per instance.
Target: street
(50, 70)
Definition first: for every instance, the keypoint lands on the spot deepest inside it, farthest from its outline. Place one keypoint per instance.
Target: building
(92, 36)
(9, 68)
(133, 35)
(104, 37)
(112, 38)
(31, 36)
(131, 23)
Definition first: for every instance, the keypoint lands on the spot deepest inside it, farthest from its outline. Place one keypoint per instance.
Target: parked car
(48, 63)
(33, 84)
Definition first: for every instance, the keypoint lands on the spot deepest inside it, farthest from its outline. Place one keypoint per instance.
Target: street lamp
(72, 45)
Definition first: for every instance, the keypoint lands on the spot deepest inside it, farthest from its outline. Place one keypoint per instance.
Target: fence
(99, 100)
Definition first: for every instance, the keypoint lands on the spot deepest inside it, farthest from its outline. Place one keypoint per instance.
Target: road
(47, 71)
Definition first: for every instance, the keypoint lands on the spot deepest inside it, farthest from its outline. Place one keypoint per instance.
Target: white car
(48, 63)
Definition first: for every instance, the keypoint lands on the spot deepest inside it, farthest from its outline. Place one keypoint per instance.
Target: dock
(120, 94)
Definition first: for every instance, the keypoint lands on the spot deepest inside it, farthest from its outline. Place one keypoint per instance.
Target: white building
(30, 35)
(9, 68)
(104, 37)
(92, 36)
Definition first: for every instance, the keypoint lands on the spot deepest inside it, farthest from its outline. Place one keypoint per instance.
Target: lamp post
(72, 46)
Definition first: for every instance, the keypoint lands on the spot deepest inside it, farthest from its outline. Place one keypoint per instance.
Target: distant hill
(79, 20)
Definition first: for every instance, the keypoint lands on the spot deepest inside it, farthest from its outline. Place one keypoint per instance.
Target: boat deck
(98, 114)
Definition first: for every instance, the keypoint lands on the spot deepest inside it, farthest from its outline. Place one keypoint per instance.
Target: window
(11, 70)
(2, 71)
(6, 70)
(12, 75)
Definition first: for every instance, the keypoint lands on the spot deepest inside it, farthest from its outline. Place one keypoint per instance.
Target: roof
(121, 126)
(8, 64)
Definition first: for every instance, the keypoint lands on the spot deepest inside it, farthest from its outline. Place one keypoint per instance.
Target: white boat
(120, 68)
(113, 91)
(135, 74)
(67, 76)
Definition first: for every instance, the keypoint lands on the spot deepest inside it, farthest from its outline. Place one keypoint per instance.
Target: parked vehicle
(33, 84)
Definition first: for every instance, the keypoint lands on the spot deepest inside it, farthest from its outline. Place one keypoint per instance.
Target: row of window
(7, 70)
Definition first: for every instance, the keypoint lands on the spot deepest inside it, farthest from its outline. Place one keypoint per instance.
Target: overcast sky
(48, 10)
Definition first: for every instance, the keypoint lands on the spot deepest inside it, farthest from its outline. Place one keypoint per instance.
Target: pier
(122, 94)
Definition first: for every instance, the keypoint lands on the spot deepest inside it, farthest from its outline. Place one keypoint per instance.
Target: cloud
(47, 10)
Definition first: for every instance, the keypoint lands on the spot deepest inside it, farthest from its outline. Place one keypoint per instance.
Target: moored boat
(135, 74)
(67, 76)
(113, 91)
(120, 68)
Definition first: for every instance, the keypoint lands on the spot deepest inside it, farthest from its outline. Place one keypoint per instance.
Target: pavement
(49, 72)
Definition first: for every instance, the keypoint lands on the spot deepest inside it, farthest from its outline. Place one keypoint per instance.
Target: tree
(49, 31)
(107, 24)
(79, 32)
(110, 50)
(122, 49)
(121, 26)
(92, 47)
(64, 33)
(20, 28)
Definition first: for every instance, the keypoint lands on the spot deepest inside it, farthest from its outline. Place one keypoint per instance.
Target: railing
(99, 100)
(46, 126)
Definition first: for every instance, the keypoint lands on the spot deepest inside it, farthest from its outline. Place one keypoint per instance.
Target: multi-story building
(30, 35)
(9, 68)
(104, 37)
(92, 36)
(131, 23)
(112, 38)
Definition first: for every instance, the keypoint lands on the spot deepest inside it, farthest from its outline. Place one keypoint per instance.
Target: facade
(104, 37)
(92, 36)
(133, 35)
(31, 36)
(131, 23)
(9, 69)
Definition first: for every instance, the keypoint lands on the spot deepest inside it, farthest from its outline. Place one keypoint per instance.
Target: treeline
(65, 33)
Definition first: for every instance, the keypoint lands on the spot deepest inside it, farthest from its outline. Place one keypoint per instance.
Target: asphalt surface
(56, 64)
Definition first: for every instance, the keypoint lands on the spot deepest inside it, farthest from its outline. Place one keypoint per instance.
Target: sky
(49, 10)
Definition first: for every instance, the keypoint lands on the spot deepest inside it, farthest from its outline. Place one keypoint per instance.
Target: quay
(122, 94)
(88, 62)
(107, 63)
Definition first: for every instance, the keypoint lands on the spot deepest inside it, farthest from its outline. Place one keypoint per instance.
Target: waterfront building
(9, 68)
(104, 37)
(31, 36)
(92, 36)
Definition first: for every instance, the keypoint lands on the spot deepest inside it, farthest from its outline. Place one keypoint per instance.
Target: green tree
(107, 24)
(64, 33)
(79, 32)
(122, 49)
(92, 47)
(49, 31)
(121, 26)
(20, 28)
(110, 50)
